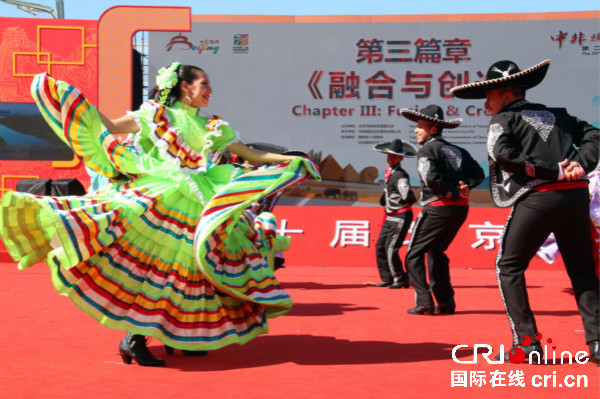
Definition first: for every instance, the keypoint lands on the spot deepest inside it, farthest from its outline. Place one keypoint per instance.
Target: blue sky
(84, 9)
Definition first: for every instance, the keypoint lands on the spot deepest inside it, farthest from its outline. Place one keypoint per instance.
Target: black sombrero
(267, 147)
(503, 74)
(296, 153)
(431, 113)
(397, 147)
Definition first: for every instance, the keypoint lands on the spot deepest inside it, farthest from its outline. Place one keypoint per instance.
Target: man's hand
(572, 170)
(463, 189)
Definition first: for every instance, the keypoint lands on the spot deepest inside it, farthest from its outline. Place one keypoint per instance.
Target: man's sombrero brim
(295, 153)
(527, 78)
(267, 147)
(408, 150)
(417, 116)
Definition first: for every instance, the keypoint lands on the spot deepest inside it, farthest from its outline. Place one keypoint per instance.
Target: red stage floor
(343, 339)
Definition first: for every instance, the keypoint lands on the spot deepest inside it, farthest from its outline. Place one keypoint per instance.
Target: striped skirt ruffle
(144, 261)
(145, 255)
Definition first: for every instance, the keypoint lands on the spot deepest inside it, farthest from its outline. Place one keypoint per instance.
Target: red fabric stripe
(566, 185)
(172, 220)
(164, 310)
(242, 193)
(82, 226)
(174, 147)
(399, 211)
(449, 202)
(167, 308)
(86, 231)
(269, 288)
(55, 103)
(110, 149)
(75, 103)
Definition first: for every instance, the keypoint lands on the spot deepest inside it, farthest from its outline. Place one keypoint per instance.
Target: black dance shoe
(170, 351)
(278, 263)
(595, 352)
(421, 310)
(401, 283)
(533, 347)
(448, 307)
(383, 284)
(133, 346)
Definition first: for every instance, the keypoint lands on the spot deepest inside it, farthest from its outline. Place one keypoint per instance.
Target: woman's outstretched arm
(254, 155)
(124, 124)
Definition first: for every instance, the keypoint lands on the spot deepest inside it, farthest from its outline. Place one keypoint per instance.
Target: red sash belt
(448, 202)
(398, 211)
(563, 185)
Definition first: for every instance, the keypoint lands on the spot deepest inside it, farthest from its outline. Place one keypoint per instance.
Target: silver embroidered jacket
(526, 143)
(441, 166)
(397, 193)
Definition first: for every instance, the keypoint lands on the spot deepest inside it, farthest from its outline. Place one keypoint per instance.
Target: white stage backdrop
(337, 87)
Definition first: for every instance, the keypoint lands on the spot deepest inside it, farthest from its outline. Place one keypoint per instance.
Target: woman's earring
(187, 101)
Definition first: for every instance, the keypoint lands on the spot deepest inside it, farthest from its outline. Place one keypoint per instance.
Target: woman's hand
(254, 155)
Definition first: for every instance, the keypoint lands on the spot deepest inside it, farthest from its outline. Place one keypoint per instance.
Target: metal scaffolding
(35, 8)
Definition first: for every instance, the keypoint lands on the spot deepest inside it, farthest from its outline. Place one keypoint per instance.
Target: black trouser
(566, 214)
(390, 240)
(432, 234)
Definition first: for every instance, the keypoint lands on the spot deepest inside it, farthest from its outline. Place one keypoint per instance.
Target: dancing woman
(165, 249)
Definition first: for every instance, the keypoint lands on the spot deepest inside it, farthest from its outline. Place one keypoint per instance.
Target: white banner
(337, 87)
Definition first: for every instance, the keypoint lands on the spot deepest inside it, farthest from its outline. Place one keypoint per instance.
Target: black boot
(447, 307)
(595, 352)
(421, 310)
(134, 347)
(527, 350)
(170, 351)
(400, 283)
(279, 263)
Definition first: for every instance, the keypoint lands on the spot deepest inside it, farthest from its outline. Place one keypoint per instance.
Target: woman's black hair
(185, 73)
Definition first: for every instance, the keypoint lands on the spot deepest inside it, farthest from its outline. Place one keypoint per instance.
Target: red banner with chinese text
(346, 236)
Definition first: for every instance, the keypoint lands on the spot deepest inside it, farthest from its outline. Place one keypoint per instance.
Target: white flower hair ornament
(166, 79)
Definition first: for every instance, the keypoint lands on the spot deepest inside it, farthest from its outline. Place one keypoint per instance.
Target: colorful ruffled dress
(165, 249)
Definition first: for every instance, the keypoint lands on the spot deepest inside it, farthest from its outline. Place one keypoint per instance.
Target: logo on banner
(588, 42)
(241, 43)
(181, 42)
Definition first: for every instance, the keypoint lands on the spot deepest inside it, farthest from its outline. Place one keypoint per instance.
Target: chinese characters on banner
(589, 43)
(380, 85)
(331, 236)
(422, 51)
(357, 232)
(344, 85)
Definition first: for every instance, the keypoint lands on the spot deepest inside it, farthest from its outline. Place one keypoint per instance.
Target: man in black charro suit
(539, 157)
(397, 200)
(447, 173)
